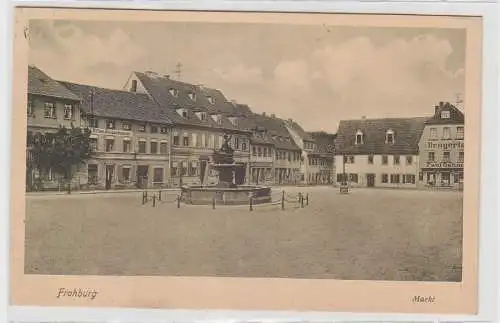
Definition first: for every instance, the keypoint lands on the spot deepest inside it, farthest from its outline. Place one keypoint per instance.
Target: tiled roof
(407, 133)
(40, 83)
(456, 116)
(298, 129)
(325, 142)
(159, 87)
(117, 104)
(276, 131)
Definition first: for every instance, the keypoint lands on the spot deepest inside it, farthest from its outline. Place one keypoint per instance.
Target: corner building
(442, 149)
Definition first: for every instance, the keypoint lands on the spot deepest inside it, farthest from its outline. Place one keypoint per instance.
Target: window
(173, 169)
(153, 147)
(142, 147)
(204, 141)
(461, 156)
(126, 174)
(163, 129)
(359, 138)
(176, 139)
(154, 129)
(460, 132)
(254, 152)
(259, 152)
(173, 92)
(446, 156)
(163, 148)
(409, 160)
(193, 168)
(459, 176)
(395, 179)
(244, 145)
(211, 100)
(127, 146)
(126, 126)
(431, 156)
(370, 159)
(351, 159)
(445, 114)
(185, 140)
(353, 178)
(184, 168)
(50, 111)
(396, 159)
(158, 175)
(92, 171)
(30, 108)
(446, 133)
(265, 152)
(385, 178)
(237, 144)
(110, 124)
(408, 179)
(93, 144)
(93, 123)
(133, 86)
(68, 112)
(421, 176)
(389, 137)
(385, 160)
(192, 96)
(110, 143)
(142, 128)
(434, 133)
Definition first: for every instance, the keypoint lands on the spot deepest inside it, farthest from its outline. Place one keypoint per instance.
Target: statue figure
(226, 148)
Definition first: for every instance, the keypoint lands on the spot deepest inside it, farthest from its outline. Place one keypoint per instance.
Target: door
(203, 168)
(370, 180)
(109, 175)
(445, 179)
(142, 176)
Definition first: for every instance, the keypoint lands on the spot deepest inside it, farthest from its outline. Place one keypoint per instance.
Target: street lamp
(344, 188)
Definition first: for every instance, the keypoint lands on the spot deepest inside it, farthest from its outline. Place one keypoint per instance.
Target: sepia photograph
(308, 149)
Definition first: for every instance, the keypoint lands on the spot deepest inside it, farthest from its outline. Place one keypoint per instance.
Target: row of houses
(160, 132)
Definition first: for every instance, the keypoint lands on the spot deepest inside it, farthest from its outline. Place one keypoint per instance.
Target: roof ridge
(99, 87)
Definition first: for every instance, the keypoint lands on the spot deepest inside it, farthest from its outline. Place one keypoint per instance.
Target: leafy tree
(62, 151)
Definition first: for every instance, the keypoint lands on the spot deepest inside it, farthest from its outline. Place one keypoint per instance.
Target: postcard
(246, 161)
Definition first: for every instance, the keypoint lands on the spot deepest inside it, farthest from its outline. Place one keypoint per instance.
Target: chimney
(441, 103)
(273, 115)
(436, 109)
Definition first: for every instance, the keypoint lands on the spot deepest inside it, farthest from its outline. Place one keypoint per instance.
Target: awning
(110, 137)
(164, 141)
(141, 139)
(126, 138)
(126, 166)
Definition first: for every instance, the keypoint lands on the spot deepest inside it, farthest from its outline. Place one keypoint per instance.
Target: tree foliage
(61, 152)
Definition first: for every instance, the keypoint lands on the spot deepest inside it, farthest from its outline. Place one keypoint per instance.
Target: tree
(62, 151)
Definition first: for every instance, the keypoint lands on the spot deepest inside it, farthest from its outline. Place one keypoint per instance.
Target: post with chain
(283, 200)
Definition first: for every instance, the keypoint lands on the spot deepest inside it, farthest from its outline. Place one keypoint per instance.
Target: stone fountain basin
(240, 195)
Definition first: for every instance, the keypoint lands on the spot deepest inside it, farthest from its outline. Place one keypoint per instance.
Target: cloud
(239, 74)
(69, 52)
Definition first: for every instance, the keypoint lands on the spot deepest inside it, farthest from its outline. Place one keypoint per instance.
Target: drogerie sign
(444, 165)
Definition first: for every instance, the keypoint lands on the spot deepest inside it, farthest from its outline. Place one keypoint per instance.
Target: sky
(316, 75)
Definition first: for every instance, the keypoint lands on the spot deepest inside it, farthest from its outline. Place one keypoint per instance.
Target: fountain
(226, 191)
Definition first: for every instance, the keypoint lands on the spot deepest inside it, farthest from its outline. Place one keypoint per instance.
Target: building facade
(321, 160)
(378, 152)
(49, 106)
(441, 149)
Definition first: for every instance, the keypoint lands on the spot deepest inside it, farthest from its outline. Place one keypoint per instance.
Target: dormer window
(182, 112)
(445, 114)
(173, 92)
(201, 115)
(110, 124)
(192, 96)
(389, 137)
(211, 100)
(217, 118)
(233, 120)
(359, 137)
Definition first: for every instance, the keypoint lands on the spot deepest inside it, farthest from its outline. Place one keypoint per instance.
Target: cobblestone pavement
(370, 234)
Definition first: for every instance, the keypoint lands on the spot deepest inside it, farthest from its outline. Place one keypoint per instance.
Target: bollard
(307, 199)
(213, 202)
(251, 203)
(301, 200)
(178, 201)
(144, 197)
(154, 200)
(159, 195)
(283, 200)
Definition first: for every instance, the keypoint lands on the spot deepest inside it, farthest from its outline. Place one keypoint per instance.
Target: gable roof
(159, 86)
(275, 131)
(117, 104)
(456, 116)
(407, 133)
(298, 129)
(40, 83)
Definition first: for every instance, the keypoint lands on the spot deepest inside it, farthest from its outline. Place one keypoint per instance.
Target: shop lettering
(444, 165)
(112, 132)
(445, 145)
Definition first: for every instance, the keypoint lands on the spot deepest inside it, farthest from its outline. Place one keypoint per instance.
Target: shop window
(92, 176)
(126, 174)
(158, 175)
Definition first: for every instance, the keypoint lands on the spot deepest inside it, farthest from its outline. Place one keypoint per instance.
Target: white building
(378, 152)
